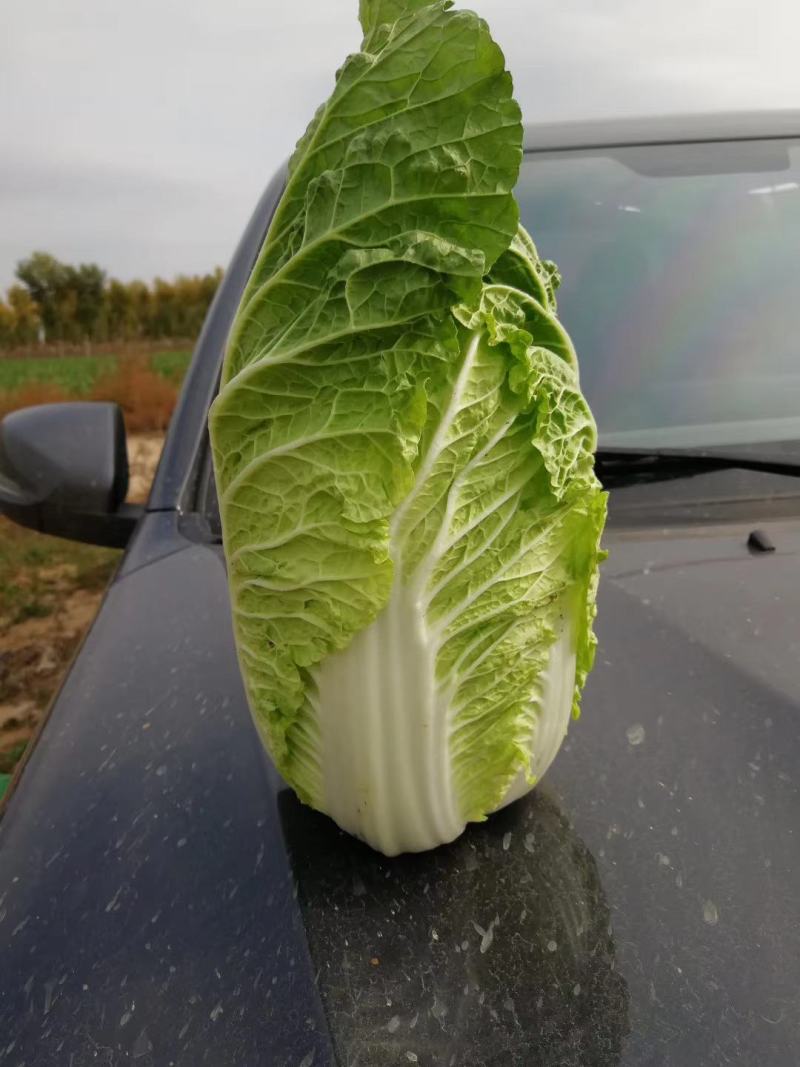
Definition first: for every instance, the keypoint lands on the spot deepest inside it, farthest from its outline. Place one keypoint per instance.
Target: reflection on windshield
(496, 949)
(680, 267)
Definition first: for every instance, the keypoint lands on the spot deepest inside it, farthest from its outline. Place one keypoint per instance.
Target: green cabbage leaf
(403, 454)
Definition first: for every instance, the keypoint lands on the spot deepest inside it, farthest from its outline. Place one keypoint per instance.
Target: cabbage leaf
(403, 454)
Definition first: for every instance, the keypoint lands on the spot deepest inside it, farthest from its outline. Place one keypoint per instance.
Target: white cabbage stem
(385, 731)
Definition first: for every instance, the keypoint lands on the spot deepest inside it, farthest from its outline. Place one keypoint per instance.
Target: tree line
(61, 303)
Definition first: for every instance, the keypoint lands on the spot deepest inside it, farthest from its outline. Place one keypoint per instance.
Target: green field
(171, 365)
(77, 374)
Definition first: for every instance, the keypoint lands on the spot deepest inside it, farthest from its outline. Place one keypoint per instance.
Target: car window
(680, 267)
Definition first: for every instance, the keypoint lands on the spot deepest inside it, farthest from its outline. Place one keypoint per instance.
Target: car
(166, 900)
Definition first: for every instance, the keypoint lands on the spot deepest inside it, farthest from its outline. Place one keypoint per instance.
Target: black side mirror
(64, 471)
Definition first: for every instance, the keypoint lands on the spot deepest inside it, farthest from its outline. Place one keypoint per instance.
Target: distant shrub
(30, 394)
(147, 398)
(146, 388)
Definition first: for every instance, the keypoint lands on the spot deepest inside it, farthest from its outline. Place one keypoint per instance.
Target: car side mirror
(64, 471)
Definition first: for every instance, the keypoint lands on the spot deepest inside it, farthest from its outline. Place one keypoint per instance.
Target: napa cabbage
(403, 455)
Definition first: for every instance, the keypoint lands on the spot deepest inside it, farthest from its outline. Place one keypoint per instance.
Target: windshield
(680, 269)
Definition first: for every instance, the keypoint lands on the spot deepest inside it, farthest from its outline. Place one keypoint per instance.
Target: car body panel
(663, 129)
(164, 897)
(148, 907)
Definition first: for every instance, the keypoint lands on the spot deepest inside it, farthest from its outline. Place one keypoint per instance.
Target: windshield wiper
(626, 466)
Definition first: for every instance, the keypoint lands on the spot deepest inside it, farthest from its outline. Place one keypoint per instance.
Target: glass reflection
(496, 949)
(679, 265)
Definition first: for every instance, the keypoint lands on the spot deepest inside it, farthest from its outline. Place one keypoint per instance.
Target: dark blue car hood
(165, 900)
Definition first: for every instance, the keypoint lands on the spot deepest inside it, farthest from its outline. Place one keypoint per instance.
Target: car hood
(165, 899)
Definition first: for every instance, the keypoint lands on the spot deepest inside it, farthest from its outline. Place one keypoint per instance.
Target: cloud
(141, 134)
(133, 222)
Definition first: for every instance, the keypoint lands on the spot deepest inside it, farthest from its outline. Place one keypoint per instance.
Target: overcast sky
(138, 135)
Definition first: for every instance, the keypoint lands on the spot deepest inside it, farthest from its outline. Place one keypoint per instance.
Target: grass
(77, 375)
(171, 365)
(10, 757)
(8, 760)
(73, 374)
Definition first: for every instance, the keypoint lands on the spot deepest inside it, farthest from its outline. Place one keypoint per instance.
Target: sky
(139, 135)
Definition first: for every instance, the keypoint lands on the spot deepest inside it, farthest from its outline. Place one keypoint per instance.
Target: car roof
(662, 129)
